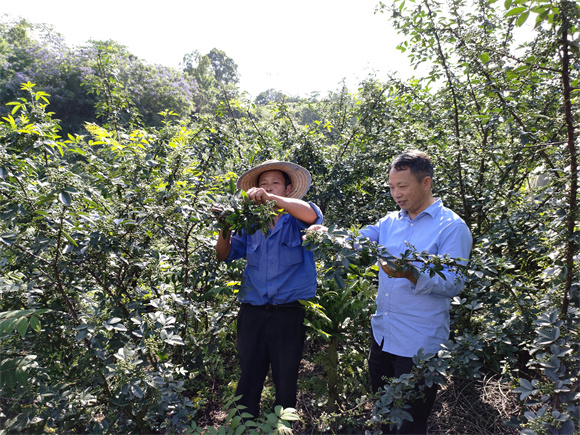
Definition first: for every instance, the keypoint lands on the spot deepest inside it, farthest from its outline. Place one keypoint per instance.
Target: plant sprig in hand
(237, 212)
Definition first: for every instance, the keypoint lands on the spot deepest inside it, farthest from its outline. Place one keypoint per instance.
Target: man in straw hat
(279, 273)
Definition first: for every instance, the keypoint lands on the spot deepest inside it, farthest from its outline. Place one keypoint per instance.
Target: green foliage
(215, 73)
(550, 398)
(346, 252)
(85, 220)
(115, 315)
(277, 422)
(14, 368)
(236, 212)
(101, 80)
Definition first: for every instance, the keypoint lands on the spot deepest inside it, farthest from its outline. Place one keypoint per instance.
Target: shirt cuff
(424, 284)
(319, 216)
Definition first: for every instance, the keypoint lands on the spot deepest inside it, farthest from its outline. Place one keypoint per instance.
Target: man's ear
(288, 189)
(427, 182)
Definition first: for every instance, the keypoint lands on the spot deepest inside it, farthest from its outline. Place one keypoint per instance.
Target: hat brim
(299, 177)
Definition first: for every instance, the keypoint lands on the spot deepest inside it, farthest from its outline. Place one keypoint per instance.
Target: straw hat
(299, 176)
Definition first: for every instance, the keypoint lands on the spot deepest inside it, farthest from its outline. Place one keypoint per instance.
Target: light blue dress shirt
(279, 268)
(410, 317)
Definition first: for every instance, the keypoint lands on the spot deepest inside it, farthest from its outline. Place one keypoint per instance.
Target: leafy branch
(236, 212)
(344, 252)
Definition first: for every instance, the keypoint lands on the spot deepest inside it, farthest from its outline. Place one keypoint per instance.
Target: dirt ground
(469, 406)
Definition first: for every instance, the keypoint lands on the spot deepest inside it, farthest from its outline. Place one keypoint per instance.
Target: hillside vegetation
(116, 317)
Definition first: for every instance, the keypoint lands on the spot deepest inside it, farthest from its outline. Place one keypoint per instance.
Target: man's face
(410, 194)
(273, 183)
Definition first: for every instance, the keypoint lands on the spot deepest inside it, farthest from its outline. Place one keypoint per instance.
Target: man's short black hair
(417, 161)
(287, 180)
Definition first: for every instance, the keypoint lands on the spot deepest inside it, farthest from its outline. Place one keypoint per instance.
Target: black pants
(269, 335)
(384, 364)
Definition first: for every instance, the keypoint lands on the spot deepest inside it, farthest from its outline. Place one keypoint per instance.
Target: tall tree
(224, 68)
(216, 75)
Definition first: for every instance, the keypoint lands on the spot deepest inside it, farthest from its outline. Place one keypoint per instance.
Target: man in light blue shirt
(413, 313)
(279, 273)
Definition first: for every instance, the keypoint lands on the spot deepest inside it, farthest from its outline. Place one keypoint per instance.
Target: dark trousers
(270, 335)
(383, 364)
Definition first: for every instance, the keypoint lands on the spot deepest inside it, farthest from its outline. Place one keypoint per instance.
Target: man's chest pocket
(253, 250)
(291, 253)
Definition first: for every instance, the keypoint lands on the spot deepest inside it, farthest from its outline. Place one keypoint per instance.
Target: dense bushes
(115, 316)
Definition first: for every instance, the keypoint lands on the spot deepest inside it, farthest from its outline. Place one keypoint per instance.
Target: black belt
(273, 307)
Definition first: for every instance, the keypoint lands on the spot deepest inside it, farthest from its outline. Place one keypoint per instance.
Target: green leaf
(484, 57)
(522, 19)
(34, 323)
(526, 384)
(515, 11)
(541, 18)
(22, 326)
(524, 138)
(137, 391)
(7, 325)
(417, 273)
(16, 107)
(69, 238)
(289, 414)
(81, 334)
(43, 199)
(174, 339)
(340, 281)
(65, 198)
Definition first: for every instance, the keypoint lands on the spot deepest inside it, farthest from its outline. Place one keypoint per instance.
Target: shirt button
(386, 294)
(386, 314)
(411, 224)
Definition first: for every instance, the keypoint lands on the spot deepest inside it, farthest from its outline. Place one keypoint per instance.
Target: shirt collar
(279, 223)
(432, 210)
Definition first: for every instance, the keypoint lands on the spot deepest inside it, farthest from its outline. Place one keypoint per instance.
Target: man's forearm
(296, 207)
(223, 245)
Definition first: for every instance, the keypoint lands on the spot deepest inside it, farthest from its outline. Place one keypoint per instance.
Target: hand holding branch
(259, 195)
(398, 273)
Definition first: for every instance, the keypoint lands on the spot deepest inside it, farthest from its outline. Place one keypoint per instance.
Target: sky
(294, 46)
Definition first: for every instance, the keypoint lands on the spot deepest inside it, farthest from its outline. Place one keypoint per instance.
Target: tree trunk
(569, 120)
(332, 375)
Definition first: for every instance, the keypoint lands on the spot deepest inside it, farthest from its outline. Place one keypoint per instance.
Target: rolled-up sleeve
(456, 241)
(319, 217)
(238, 249)
(371, 232)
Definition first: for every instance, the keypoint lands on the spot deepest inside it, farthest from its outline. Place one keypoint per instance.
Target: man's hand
(218, 212)
(394, 273)
(313, 229)
(258, 195)
(317, 227)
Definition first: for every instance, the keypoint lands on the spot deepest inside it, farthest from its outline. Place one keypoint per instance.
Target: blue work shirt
(410, 317)
(279, 269)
